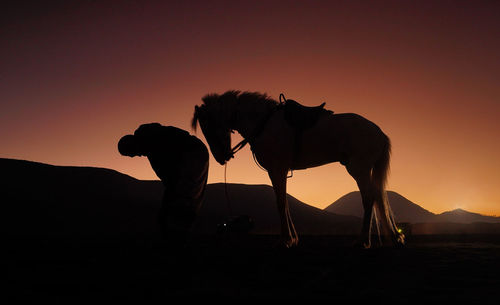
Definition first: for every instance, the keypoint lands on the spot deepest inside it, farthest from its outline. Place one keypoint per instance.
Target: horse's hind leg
(362, 176)
(387, 220)
(288, 233)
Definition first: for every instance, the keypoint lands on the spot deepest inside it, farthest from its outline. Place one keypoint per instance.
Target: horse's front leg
(288, 233)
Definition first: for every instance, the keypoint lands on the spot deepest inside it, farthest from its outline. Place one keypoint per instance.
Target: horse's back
(333, 138)
(338, 137)
(346, 125)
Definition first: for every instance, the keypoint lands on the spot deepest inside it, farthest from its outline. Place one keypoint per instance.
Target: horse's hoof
(359, 244)
(399, 241)
(288, 244)
(281, 246)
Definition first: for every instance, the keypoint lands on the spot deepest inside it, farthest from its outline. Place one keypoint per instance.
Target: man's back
(167, 148)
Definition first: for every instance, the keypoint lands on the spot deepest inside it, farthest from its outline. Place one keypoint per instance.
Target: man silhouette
(180, 160)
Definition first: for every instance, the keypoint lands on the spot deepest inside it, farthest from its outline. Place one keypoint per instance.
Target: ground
(252, 269)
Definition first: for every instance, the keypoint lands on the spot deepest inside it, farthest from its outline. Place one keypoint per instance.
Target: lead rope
(228, 202)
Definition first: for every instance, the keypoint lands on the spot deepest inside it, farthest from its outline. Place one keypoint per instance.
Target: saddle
(301, 117)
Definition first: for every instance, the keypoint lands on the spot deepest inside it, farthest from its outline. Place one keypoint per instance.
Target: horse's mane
(236, 95)
(229, 97)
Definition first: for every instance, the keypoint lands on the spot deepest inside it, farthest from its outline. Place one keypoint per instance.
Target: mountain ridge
(407, 211)
(50, 200)
(86, 200)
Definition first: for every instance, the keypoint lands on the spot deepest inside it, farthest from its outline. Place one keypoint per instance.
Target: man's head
(129, 146)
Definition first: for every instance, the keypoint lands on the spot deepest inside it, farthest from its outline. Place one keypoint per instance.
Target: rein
(239, 146)
(257, 133)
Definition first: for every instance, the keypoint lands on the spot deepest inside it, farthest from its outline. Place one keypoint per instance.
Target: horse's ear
(194, 121)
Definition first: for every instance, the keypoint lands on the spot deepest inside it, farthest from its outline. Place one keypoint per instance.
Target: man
(181, 162)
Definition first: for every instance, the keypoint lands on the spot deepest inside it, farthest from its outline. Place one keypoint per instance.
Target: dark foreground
(251, 269)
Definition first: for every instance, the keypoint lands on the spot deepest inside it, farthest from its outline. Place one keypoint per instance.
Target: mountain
(258, 201)
(406, 211)
(62, 200)
(462, 216)
(47, 200)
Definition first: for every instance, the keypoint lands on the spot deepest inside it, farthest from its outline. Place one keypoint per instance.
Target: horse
(348, 138)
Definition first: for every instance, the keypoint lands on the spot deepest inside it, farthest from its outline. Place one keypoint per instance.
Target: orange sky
(75, 77)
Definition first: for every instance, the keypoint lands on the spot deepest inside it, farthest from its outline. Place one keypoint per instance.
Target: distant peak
(459, 211)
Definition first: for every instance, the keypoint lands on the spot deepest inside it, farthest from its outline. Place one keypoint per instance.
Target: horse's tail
(380, 173)
(380, 170)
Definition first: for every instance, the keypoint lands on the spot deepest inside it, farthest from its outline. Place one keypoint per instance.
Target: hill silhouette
(258, 201)
(45, 200)
(41, 199)
(462, 216)
(406, 211)
(106, 219)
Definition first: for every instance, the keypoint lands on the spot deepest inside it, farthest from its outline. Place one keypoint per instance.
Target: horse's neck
(248, 117)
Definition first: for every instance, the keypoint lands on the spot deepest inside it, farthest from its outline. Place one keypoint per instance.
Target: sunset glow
(76, 77)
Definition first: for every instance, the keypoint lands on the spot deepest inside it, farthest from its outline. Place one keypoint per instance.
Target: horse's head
(216, 131)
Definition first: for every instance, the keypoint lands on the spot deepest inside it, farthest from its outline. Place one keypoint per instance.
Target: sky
(75, 76)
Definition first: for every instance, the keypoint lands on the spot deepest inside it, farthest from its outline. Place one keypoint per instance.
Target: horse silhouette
(278, 147)
(180, 160)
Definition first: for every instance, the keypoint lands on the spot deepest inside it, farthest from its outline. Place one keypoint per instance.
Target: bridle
(260, 128)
